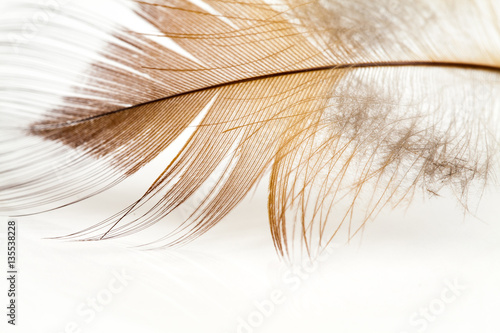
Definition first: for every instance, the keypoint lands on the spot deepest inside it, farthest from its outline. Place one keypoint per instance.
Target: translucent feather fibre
(350, 106)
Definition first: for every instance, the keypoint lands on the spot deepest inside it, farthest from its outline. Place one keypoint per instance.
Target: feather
(350, 106)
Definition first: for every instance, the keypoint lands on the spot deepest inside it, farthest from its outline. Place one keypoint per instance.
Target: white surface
(401, 265)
